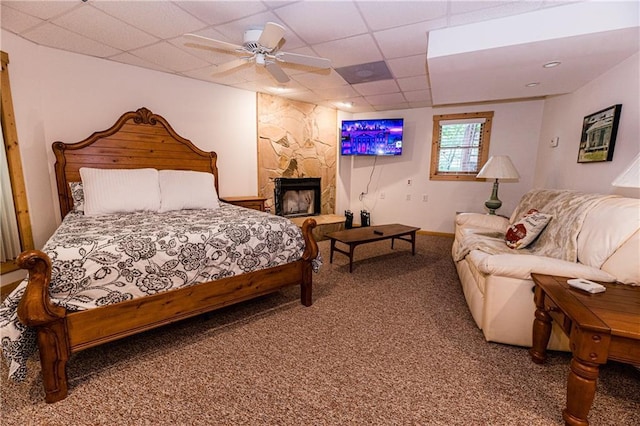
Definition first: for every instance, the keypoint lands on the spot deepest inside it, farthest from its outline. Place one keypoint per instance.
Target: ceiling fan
(262, 46)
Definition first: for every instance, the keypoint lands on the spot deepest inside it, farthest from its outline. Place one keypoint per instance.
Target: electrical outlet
(382, 195)
(408, 197)
(425, 198)
(409, 182)
(554, 142)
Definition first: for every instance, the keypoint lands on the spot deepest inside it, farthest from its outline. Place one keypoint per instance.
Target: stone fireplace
(296, 140)
(294, 197)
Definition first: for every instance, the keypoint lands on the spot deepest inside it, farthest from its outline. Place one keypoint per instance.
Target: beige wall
(558, 167)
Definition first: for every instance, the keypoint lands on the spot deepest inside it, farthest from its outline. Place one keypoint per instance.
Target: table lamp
(498, 167)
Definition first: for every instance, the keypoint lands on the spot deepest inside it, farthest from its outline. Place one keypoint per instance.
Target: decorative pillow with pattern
(522, 233)
(77, 194)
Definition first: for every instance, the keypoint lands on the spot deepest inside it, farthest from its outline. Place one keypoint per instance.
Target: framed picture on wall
(598, 136)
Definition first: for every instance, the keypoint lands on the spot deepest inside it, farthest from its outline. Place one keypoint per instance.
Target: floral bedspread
(101, 260)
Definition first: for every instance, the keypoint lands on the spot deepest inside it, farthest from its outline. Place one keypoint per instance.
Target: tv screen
(371, 137)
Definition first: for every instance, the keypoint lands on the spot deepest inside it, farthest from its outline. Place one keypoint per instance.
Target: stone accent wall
(296, 139)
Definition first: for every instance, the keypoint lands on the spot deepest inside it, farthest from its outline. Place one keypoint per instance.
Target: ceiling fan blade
(230, 65)
(271, 35)
(310, 61)
(277, 73)
(205, 42)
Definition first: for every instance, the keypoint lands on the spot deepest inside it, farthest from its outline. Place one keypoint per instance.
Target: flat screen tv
(371, 137)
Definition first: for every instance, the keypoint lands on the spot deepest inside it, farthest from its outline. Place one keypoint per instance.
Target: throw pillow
(522, 233)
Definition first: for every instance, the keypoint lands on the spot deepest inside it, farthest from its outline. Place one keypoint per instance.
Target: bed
(143, 140)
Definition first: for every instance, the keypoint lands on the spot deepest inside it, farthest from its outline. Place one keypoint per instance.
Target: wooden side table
(250, 202)
(601, 327)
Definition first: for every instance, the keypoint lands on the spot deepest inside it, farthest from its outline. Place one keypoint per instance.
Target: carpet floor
(392, 343)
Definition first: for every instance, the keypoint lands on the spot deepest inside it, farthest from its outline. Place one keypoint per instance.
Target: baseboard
(435, 234)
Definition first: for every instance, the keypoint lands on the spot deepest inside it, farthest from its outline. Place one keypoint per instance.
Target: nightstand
(249, 202)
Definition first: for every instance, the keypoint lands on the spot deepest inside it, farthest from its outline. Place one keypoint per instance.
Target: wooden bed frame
(138, 139)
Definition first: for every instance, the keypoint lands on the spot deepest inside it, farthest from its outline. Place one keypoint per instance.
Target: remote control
(378, 232)
(586, 285)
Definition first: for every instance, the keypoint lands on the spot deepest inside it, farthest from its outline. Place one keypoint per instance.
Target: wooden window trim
(483, 155)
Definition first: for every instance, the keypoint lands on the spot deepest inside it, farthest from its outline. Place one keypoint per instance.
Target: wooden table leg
(541, 329)
(581, 389)
(413, 243)
(351, 249)
(333, 247)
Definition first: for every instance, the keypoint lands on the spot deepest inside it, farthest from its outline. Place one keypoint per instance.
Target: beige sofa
(590, 236)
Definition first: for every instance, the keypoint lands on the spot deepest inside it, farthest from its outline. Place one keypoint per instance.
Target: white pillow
(109, 191)
(181, 189)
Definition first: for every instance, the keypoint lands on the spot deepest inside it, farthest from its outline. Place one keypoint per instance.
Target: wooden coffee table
(601, 327)
(355, 236)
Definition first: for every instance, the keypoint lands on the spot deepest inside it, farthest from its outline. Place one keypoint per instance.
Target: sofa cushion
(606, 227)
(522, 265)
(623, 264)
(523, 232)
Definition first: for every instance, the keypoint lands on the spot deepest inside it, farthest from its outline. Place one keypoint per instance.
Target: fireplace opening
(297, 196)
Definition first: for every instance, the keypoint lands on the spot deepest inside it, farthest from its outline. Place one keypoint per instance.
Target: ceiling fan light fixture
(262, 45)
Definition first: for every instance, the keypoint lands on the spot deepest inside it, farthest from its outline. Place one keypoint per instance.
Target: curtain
(10, 235)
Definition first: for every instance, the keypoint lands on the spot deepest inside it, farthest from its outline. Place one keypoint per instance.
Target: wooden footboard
(61, 333)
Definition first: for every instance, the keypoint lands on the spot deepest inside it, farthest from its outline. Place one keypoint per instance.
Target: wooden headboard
(138, 139)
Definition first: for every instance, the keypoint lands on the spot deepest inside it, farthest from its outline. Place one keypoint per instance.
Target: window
(460, 145)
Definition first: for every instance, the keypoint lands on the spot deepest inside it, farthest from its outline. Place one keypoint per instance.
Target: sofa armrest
(521, 266)
(478, 220)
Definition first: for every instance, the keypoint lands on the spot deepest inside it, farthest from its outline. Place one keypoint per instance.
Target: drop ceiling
(437, 52)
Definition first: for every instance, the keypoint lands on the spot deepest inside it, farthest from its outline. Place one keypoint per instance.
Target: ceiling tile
(391, 107)
(408, 66)
(43, 9)
(219, 12)
(413, 83)
(333, 79)
(360, 49)
(318, 22)
(206, 74)
(340, 92)
(418, 96)
(234, 31)
(169, 56)
(408, 40)
(499, 10)
(128, 58)
(16, 21)
(382, 15)
(389, 98)
(161, 19)
(376, 87)
(59, 38)
(97, 25)
(423, 104)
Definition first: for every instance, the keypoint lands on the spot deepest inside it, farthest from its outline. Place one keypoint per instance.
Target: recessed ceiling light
(551, 64)
(532, 84)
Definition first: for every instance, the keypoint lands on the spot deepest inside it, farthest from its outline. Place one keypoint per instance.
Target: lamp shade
(630, 178)
(498, 167)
